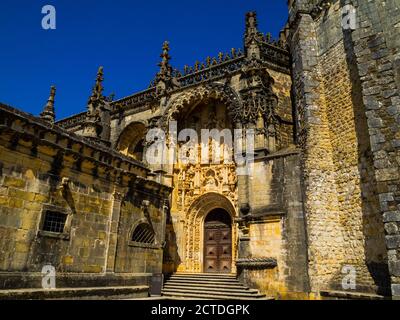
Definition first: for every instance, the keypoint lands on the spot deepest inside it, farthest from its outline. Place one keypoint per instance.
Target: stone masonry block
(396, 290)
(391, 216)
(393, 242)
(14, 182)
(394, 267)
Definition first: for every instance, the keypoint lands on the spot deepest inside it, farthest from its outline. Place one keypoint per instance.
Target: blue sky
(124, 36)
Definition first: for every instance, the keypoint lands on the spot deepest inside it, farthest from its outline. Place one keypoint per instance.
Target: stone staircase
(208, 286)
(93, 293)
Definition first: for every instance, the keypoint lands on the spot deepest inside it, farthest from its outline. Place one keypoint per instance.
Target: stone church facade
(319, 209)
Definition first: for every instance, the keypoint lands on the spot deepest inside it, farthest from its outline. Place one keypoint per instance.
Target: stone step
(214, 292)
(205, 285)
(203, 279)
(93, 293)
(206, 275)
(209, 282)
(207, 296)
(211, 289)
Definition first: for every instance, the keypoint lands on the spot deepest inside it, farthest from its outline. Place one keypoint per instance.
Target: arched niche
(130, 142)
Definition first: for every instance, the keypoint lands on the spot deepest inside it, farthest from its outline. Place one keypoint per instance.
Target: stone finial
(165, 68)
(252, 37)
(165, 79)
(48, 113)
(251, 23)
(97, 93)
(97, 122)
(98, 88)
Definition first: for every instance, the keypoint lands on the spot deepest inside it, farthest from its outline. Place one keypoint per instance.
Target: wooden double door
(218, 242)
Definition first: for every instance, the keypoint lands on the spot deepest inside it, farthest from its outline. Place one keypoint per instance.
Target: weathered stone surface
(396, 290)
(391, 228)
(392, 216)
(83, 196)
(360, 60)
(395, 268)
(393, 242)
(325, 186)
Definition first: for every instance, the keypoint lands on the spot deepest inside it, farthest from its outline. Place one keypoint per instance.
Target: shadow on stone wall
(373, 230)
(171, 258)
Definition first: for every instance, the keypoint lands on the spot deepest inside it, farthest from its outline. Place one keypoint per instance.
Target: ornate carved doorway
(218, 242)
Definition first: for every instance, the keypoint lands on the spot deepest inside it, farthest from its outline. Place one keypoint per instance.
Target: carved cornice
(211, 73)
(274, 57)
(222, 92)
(135, 100)
(35, 129)
(113, 166)
(281, 154)
(211, 62)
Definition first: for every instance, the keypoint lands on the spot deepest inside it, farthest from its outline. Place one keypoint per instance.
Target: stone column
(113, 230)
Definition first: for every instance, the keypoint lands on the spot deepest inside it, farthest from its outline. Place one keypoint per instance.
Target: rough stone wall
(344, 224)
(361, 223)
(26, 189)
(323, 227)
(376, 49)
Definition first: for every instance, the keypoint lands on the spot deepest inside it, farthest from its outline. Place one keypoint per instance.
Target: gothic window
(143, 233)
(54, 221)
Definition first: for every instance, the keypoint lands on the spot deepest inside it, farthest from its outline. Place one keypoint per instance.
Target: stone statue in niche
(232, 180)
(210, 182)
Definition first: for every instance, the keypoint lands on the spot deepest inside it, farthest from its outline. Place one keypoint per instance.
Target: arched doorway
(218, 242)
(190, 237)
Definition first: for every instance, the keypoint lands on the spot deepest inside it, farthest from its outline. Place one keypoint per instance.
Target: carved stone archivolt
(217, 91)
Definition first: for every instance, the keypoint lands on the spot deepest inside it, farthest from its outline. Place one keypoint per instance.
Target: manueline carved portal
(203, 185)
